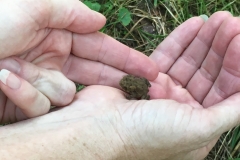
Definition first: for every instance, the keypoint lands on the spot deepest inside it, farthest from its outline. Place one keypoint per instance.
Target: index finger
(104, 49)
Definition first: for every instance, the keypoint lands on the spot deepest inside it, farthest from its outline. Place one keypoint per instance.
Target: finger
(228, 80)
(26, 23)
(104, 49)
(61, 14)
(95, 73)
(174, 45)
(51, 53)
(190, 61)
(31, 102)
(89, 72)
(202, 81)
(53, 84)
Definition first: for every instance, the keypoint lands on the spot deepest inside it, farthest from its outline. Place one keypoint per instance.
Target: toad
(136, 87)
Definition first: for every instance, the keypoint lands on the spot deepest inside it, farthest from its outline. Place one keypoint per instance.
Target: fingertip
(29, 100)
(9, 79)
(101, 18)
(153, 71)
(90, 21)
(4, 75)
(72, 15)
(204, 17)
(67, 93)
(222, 13)
(197, 20)
(99, 21)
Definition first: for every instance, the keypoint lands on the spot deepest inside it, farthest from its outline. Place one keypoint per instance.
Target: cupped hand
(101, 124)
(50, 40)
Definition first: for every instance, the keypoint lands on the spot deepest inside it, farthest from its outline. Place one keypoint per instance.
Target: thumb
(223, 116)
(29, 22)
(73, 15)
(70, 14)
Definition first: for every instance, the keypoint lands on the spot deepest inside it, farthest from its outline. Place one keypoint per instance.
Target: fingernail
(204, 17)
(9, 79)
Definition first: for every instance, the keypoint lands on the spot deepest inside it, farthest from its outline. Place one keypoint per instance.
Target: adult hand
(180, 127)
(199, 66)
(39, 32)
(101, 124)
(44, 33)
(201, 59)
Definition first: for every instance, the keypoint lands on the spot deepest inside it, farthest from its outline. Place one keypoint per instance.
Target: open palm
(200, 60)
(199, 70)
(199, 66)
(194, 98)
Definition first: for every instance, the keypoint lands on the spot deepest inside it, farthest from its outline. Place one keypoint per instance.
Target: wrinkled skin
(194, 99)
(45, 43)
(136, 87)
(36, 33)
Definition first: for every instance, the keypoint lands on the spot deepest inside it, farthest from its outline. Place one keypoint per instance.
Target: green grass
(143, 24)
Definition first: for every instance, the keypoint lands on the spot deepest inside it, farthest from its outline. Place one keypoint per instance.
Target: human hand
(180, 127)
(45, 38)
(198, 64)
(101, 124)
(39, 32)
(200, 59)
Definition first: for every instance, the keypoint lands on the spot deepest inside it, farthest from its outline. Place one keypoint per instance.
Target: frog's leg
(128, 96)
(147, 97)
(147, 82)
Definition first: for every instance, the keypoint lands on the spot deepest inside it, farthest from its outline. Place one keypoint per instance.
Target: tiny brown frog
(136, 87)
